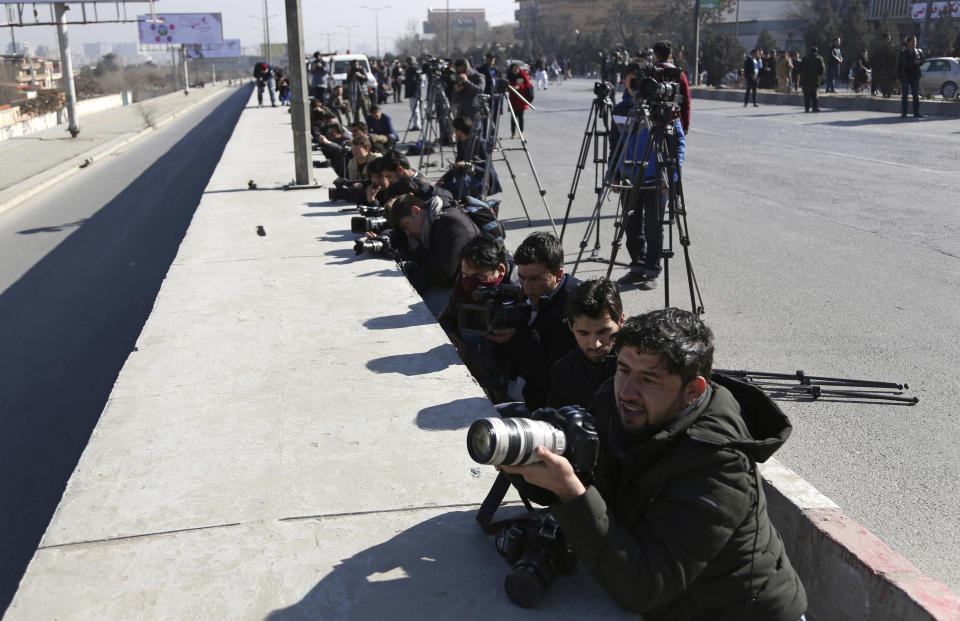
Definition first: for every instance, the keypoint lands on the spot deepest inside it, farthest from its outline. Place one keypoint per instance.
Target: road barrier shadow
(412, 317)
(69, 323)
(419, 363)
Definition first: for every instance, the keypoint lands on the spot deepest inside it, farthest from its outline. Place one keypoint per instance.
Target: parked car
(339, 64)
(941, 75)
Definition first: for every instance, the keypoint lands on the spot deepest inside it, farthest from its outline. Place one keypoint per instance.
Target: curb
(849, 573)
(852, 102)
(21, 191)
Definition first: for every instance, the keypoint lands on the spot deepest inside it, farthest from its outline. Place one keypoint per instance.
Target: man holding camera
(412, 80)
(673, 523)
(644, 201)
(484, 263)
(465, 176)
(263, 74)
(663, 58)
(594, 315)
(534, 347)
(468, 87)
(396, 167)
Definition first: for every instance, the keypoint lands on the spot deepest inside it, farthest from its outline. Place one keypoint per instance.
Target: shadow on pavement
(455, 415)
(421, 573)
(893, 119)
(409, 319)
(53, 229)
(69, 323)
(420, 363)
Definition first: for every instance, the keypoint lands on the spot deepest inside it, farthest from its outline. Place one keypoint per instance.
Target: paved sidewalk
(31, 163)
(287, 439)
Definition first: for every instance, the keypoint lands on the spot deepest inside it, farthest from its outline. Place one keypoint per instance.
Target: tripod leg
(581, 164)
(513, 177)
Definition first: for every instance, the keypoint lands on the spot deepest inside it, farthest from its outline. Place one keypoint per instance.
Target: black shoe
(816, 109)
(756, 105)
(903, 116)
(918, 115)
(632, 278)
(648, 284)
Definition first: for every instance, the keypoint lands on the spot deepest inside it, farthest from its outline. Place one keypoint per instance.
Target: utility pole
(329, 49)
(376, 19)
(266, 33)
(299, 110)
(696, 41)
(186, 76)
(66, 67)
(927, 20)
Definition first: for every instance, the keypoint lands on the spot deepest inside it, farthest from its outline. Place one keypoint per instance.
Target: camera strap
(492, 502)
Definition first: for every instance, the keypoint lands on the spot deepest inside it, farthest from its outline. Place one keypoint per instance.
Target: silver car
(940, 75)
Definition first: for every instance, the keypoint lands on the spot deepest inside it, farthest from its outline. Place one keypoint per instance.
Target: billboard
(919, 10)
(177, 28)
(230, 48)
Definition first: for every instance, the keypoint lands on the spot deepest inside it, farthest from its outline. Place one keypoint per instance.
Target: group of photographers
(670, 515)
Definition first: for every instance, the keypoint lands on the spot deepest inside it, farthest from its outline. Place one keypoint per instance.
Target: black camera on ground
(372, 212)
(363, 224)
(537, 551)
(493, 308)
(379, 246)
(603, 90)
(657, 84)
(512, 439)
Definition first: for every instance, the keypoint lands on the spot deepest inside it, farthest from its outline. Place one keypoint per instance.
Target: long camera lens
(363, 224)
(512, 441)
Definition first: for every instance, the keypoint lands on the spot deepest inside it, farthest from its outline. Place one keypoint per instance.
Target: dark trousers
(913, 84)
(751, 87)
(513, 124)
(645, 228)
(810, 99)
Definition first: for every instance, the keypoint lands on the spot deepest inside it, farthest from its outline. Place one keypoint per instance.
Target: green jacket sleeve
(652, 561)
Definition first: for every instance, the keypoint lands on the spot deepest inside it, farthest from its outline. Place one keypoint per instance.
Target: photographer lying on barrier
(396, 166)
(594, 314)
(486, 296)
(465, 176)
(673, 523)
(336, 148)
(534, 346)
(435, 238)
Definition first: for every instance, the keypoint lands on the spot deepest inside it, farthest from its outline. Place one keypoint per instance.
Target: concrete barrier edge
(19, 192)
(848, 572)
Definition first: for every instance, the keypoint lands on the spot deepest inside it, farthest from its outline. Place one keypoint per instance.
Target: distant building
(33, 73)
(462, 20)
(93, 52)
(749, 18)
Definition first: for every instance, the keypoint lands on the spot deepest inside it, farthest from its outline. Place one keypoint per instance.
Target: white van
(339, 64)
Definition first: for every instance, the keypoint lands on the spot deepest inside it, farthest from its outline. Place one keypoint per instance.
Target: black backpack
(484, 215)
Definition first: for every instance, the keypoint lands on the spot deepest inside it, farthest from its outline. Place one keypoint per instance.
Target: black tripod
(816, 387)
(599, 138)
(627, 176)
(436, 120)
(495, 145)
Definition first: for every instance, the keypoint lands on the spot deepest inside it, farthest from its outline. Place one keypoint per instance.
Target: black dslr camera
(380, 246)
(492, 308)
(603, 90)
(363, 224)
(434, 65)
(343, 190)
(536, 550)
(657, 85)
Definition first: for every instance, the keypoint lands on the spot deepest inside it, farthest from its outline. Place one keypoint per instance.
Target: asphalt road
(80, 267)
(824, 242)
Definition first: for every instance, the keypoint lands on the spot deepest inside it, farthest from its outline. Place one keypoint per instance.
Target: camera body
(537, 552)
(434, 65)
(493, 308)
(603, 90)
(512, 439)
(657, 85)
(500, 85)
(364, 224)
(381, 246)
(343, 190)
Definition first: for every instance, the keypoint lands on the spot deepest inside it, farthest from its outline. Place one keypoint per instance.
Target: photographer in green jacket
(674, 521)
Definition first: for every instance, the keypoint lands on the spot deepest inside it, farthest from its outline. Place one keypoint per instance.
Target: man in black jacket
(908, 71)
(674, 522)
(546, 339)
(594, 314)
(435, 238)
(412, 80)
(468, 87)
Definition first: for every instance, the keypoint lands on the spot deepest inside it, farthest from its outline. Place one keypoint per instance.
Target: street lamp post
(348, 29)
(376, 19)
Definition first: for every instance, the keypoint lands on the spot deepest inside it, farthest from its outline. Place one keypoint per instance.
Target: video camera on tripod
(433, 65)
(344, 190)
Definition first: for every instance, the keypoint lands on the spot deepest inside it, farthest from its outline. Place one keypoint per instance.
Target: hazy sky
(319, 18)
